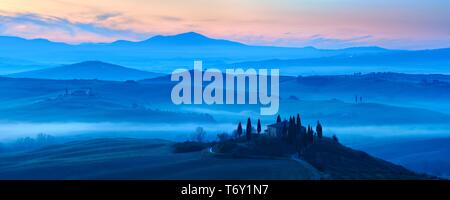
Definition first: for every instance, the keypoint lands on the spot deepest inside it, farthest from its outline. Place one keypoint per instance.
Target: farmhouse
(276, 130)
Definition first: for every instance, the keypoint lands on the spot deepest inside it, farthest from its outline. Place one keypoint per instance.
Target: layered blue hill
(165, 53)
(88, 70)
(354, 57)
(388, 101)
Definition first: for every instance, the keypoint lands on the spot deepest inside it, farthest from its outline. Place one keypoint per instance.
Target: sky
(395, 24)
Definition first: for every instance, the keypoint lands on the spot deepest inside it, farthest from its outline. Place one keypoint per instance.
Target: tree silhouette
(310, 134)
(293, 129)
(319, 130)
(284, 131)
(248, 130)
(258, 128)
(239, 130)
(289, 136)
(199, 134)
(278, 119)
(307, 136)
(335, 139)
(299, 122)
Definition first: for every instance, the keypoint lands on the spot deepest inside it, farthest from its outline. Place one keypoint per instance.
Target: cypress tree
(298, 127)
(310, 135)
(290, 131)
(239, 130)
(319, 130)
(284, 131)
(248, 130)
(307, 135)
(279, 119)
(258, 129)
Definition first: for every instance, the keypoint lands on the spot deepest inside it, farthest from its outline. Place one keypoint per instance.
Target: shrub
(226, 147)
(186, 147)
(223, 137)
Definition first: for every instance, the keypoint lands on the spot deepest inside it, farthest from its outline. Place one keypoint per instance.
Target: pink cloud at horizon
(324, 23)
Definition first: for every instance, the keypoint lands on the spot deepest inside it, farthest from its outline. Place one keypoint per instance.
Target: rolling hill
(146, 101)
(88, 70)
(418, 154)
(20, 96)
(341, 162)
(130, 159)
(125, 158)
(316, 98)
(410, 90)
(96, 109)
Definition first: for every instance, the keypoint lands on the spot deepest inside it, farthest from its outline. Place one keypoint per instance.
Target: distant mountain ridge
(12, 41)
(183, 39)
(373, 57)
(166, 53)
(88, 70)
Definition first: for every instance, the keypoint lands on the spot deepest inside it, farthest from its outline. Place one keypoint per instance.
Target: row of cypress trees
(293, 133)
(248, 129)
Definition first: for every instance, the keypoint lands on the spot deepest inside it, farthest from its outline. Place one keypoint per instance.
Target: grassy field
(139, 159)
